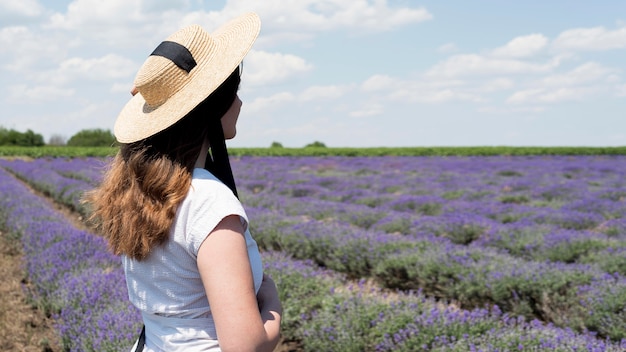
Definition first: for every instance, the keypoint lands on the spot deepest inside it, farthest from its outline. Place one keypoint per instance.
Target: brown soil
(22, 327)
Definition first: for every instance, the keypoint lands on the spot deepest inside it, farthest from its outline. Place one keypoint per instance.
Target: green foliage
(108, 150)
(346, 323)
(571, 251)
(509, 173)
(351, 255)
(518, 336)
(56, 151)
(372, 202)
(514, 198)
(302, 289)
(92, 138)
(366, 319)
(316, 144)
(451, 195)
(400, 225)
(24, 139)
(522, 243)
(604, 309)
(428, 151)
(363, 219)
(417, 269)
(276, 145)
(610, 260)
(481, 278)
(464, 233)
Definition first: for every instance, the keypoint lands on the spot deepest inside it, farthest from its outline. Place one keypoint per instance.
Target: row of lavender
(70, 274)
(542, 237)
(363, 245)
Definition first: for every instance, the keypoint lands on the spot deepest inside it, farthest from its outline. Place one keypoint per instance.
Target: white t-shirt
(166, 286)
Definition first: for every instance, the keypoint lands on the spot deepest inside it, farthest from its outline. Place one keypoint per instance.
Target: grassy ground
(64, 151)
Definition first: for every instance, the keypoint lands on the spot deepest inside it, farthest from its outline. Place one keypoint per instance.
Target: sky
(357, 73)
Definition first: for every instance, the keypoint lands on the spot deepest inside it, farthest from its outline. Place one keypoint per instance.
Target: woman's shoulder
(208, 202)
(206, 188)
(204, 180)
(203, 174)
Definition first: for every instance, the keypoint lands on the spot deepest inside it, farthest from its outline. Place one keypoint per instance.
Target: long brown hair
(135, 205)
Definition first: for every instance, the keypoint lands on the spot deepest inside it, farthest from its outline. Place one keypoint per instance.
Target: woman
(168, 203)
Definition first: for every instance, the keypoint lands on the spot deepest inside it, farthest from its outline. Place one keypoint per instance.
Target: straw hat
(183, 71)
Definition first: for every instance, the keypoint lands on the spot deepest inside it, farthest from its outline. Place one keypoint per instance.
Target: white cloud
(496, 85)
(511, 109)
(83, 14)
(523, 46)
(320, 16)
(38, 94)
(436, 96)
(378, 83)
(511, 69)
(22, 8)
(595, 38)
(545, 95)
(89, 115)
(264, 68)
(585, 73)
(99, 27)
(420, 89)
(447, 48)
(268, 103)
(620, 90)
(121, 24)
(21, 48)
(10, 9)
(370, 109)
(514, 67)
(107, 67)
(317, 93)
(474, 64)
(583, 82)
(283, 21)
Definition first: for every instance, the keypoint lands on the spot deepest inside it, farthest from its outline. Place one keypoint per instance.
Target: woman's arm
(227, 277)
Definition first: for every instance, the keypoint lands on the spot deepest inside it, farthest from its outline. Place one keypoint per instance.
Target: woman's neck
(200, 162)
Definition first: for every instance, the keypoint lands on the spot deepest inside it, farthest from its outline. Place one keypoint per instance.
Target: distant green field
(50, 151)
(71, 152)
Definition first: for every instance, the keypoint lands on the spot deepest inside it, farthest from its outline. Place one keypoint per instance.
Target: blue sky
(347, 73)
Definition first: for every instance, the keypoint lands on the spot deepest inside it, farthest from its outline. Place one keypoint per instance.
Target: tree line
(85, 138)
(22, 139)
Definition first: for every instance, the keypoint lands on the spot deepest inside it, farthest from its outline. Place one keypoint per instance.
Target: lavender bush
(71, 275)
(526, 233)
(538, 237)
(65, 180)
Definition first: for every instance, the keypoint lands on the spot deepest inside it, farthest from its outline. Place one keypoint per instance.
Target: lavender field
(523, 253)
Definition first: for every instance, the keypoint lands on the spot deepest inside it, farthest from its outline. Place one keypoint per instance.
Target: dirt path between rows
(22, 326)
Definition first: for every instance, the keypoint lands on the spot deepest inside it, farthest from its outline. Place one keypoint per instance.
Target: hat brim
(233, 41)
